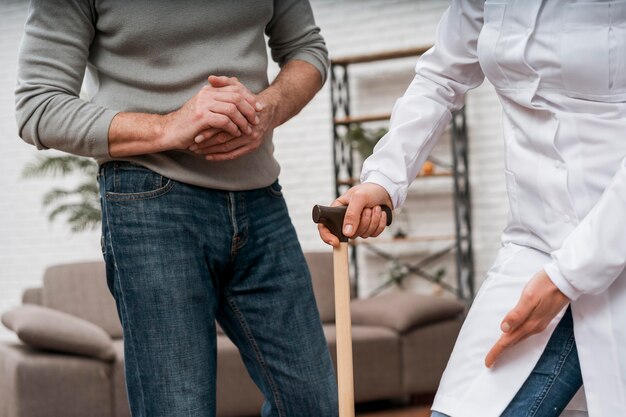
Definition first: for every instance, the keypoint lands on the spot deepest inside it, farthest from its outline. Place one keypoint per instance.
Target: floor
(418, 407)
(403, 412)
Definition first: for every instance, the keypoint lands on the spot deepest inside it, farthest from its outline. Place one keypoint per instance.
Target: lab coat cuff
(393, 189)
(561, 282)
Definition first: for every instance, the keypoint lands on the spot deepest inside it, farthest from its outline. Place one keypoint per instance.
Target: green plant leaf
(80, 205)
(44, 166)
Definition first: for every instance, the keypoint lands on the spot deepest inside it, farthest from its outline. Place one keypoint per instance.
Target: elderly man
(195, 228)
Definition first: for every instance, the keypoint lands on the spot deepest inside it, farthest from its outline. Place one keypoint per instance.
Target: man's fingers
(224, 123)
(232, 112)
(233, 84)
(218, 138)
(229, 156)
(222, 81)
(240, 101)
(225, 147)
(204, 136)
(246, 94)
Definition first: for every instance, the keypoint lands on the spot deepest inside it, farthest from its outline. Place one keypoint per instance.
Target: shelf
(408, 239)
(380, 56)
(431, 248)
(362, 119)
(354, 181)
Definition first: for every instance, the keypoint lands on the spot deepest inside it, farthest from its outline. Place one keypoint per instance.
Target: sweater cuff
(317, 62)
(561, 282)
(98, 141)
(393, 189)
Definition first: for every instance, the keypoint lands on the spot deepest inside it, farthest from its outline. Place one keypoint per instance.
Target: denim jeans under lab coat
(554, 381)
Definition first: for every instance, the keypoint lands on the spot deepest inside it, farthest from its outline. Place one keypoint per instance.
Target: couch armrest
(34, 383)
(46, 328)
(403, 311)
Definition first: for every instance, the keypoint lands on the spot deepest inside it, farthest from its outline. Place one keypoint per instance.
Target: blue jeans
(553, 382)
(180, 257)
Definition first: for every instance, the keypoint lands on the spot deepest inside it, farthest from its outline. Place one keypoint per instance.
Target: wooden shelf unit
(346, 173)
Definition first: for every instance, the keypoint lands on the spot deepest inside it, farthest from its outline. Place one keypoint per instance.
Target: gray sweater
(152, 56)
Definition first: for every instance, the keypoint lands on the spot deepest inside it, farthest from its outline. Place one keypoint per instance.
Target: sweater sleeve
(293, 35)
(51, 66)
(443, 75)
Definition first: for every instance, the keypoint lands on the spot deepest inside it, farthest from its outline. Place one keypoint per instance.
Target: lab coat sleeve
(594, 254)
(443, 75)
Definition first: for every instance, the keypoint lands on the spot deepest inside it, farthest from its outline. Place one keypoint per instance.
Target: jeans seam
(257, 352)
(123, 304)
(556, 372)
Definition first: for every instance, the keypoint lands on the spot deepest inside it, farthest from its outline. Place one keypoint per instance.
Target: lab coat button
(567, 219)
(559, 165)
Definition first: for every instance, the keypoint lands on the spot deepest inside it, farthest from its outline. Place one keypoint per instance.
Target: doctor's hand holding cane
(538, 305)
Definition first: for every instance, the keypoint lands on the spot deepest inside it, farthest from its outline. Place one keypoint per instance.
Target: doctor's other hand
(539, 303)
(364, 217)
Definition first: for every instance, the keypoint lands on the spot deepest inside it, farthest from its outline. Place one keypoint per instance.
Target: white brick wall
(28, 243)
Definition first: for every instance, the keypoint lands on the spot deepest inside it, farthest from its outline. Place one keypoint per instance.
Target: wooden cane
(332, 218)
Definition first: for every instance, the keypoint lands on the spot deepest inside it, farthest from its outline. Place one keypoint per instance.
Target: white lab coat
(559, 69)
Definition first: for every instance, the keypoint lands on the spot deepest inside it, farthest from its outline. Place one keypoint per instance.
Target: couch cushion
(120, 397)
(425, 354)
(376, 358)
(402, 311)
(80, 289)
(45, 328)
(237, 395)
(32, 296)
(321, 267)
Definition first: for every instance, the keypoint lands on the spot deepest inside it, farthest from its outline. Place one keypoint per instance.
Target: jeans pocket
(275, 190)
(133, 182)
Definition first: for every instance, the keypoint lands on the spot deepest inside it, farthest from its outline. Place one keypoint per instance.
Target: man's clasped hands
(223, 121)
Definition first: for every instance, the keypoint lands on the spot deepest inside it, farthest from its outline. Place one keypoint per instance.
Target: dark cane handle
(332, 218)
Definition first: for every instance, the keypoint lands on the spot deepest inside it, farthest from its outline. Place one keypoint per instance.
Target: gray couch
(70, 360)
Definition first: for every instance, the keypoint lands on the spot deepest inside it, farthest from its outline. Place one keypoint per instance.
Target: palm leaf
(45, 166)
(79, 206)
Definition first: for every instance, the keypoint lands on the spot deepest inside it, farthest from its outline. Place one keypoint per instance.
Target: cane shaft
(344, 331)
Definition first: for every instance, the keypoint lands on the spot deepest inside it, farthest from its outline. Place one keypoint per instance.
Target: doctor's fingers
(520, 313)
(509, 339)
(364, 222)
(356, 202)
(374, 223)
(327, 236)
